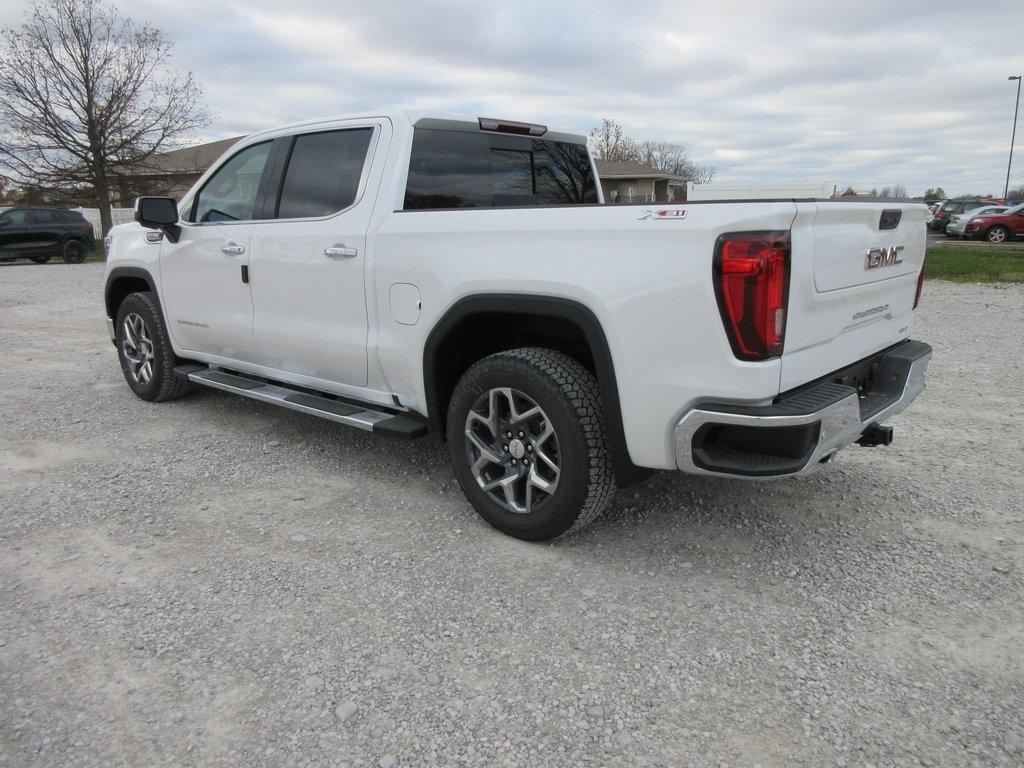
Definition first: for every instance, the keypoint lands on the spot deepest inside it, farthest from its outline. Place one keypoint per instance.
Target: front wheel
(526, 436)
(73, 252)
(997, 234)
(41, 259)
(147, 358)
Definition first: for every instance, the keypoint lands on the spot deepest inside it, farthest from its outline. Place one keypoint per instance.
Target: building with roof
(170, 174)
(626, 182)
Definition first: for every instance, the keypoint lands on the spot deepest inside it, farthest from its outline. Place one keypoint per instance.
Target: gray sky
(864, 93)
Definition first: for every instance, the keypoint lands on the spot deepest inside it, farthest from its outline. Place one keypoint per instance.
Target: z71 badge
(668, 214)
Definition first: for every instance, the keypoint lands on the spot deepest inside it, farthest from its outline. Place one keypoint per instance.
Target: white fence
(117, 215)
(755, 191)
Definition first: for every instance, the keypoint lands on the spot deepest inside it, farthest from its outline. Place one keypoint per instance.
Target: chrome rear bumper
(800, 433)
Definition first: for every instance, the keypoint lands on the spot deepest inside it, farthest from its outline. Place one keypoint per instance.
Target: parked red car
(997, 227)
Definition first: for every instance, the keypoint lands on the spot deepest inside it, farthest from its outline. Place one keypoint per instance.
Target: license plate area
(860, 376)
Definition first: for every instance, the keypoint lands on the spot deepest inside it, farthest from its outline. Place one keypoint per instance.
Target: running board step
(343, 412)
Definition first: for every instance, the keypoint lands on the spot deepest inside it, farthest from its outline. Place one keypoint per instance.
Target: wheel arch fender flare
(122, 276)
(565, 309)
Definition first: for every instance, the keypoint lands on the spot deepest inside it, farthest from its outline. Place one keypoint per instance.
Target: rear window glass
(461, 169)
(323, 173)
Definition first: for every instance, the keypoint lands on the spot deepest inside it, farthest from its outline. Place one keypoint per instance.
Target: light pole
(1013, 135)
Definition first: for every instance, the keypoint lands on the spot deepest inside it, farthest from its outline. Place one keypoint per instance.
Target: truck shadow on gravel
(669, 509)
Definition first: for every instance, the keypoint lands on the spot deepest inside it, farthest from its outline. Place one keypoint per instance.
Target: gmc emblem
(884, 257)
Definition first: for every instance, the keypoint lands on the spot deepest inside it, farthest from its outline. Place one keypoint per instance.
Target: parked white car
(958, 222)
(405, 273)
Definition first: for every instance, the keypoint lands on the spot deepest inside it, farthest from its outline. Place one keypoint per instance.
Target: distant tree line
(896, 192)
(932, 193)
(609, 141)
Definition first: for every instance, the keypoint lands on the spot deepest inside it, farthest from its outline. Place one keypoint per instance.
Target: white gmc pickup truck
(408, 273)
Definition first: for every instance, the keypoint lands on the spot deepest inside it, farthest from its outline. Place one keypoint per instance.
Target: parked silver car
(958, 222)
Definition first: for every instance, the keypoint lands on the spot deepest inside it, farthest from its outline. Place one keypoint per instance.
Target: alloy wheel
(137, 347)
(512, 449)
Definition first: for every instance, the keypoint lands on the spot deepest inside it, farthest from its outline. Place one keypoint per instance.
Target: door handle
(232, 249)
(341, 250)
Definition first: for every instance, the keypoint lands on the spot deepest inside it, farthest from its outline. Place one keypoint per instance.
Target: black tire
(73, 251)
(997, 234)
(567, 394)
(162, 384)
(41, 259)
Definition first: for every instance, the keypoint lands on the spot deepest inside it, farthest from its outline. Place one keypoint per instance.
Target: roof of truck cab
(412, 117)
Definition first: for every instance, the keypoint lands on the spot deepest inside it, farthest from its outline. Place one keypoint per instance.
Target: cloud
(864, 94)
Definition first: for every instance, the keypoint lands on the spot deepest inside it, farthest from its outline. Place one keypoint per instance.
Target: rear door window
(323, 173)
(467, 169)
(44, 217)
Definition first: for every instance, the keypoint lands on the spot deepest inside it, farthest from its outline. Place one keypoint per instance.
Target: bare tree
(7, 194)
(674, 159)
(609, 142)
(85, 93)
(897, 191)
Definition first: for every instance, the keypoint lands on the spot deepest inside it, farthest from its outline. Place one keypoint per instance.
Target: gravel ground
(218, 582)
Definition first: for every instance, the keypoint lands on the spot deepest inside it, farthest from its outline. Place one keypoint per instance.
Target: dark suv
(40, 233)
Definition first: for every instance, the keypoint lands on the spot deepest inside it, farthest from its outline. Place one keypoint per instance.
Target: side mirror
(158, 213)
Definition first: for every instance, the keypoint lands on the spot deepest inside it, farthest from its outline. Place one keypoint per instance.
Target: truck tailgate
(854, 269)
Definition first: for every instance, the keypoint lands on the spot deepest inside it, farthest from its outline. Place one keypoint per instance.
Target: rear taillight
(920, 284)
(752, 284)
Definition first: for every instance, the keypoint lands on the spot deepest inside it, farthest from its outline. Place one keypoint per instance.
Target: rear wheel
(997, 234)
(41, 259)
(147, 359)
(526, 435)
(73, 252)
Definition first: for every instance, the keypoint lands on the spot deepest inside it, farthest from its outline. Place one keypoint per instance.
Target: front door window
(230, 194)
